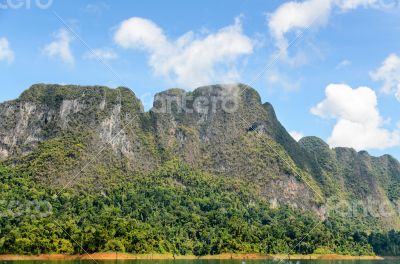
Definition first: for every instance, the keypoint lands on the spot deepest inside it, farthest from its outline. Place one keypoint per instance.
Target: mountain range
(212, 166)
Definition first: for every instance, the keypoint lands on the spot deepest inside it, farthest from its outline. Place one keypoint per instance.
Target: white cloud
(343, 64)
(389, 74)
(102, 54)
(61, 47)
(299, 16)
(189, 60)
(359, 124)
(292, 16)
(6, 53)
(296, 135)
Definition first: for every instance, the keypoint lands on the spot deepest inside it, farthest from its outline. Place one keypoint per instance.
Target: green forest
(174, 210)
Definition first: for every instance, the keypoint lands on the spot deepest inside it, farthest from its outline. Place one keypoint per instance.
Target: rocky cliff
(223, 130)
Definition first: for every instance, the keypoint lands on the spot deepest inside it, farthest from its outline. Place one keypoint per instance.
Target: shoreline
(126, 256)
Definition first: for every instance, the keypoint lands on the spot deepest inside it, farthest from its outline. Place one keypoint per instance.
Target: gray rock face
(21, 127)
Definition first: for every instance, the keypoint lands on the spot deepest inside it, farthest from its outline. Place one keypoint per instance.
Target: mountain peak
(312, 141)
(53, 95)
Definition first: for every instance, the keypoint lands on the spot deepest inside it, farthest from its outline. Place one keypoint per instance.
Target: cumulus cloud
(189, 60)
(389, 74)
(101, 54)
(292, 16)
(297, 16)
(358, 122)
(296, 135)
(6, 53)
(61, 47)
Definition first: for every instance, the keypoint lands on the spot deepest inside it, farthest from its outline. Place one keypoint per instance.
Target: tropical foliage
(173, 210)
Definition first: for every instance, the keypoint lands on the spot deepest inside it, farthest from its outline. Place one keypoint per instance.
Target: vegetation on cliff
(86, 169)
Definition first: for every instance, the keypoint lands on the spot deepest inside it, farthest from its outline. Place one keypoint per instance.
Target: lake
(391, 261)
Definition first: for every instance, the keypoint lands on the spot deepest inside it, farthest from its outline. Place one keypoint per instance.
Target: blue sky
(338, 46)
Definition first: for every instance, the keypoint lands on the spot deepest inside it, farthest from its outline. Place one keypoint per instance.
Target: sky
(330, 68)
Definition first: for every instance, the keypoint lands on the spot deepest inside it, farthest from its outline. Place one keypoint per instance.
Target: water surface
(234, 261)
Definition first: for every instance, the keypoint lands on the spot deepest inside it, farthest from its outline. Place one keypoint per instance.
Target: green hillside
(86, 169)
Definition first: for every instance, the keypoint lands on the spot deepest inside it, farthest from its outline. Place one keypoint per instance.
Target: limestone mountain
(92, 138)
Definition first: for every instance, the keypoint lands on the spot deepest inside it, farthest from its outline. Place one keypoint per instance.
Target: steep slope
(369, 184)
(203, 172)
(100, 119)
(236, 142)
(92, 138)
(224, 130)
